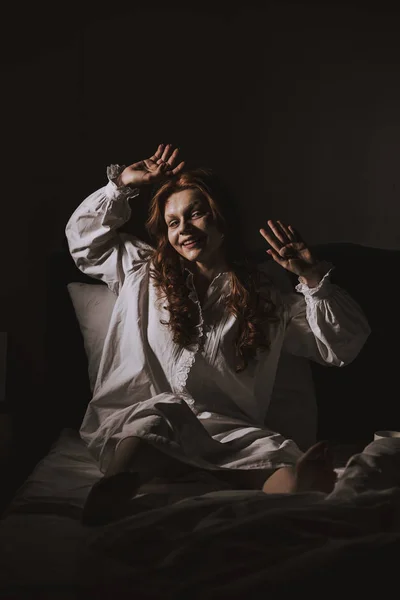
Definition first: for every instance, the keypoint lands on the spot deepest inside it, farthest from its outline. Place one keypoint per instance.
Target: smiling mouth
(193, 243)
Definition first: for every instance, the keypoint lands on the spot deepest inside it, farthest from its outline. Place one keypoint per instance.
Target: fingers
(166, 153)
(277, 257)
(296, 236)
(168, 159)
(148, 163)
(281, 232)
(162, 153)
(151, 166)
(171, 161)
(173, 157)
(178, 169)
(154, 171)
(158, 153)
(161, 169)
(286, 230)
(272, 241)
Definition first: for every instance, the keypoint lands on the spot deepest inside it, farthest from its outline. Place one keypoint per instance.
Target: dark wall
(296, 104)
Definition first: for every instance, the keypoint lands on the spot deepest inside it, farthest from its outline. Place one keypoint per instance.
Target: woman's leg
(108, 499)
(117, 486)
(313, 472)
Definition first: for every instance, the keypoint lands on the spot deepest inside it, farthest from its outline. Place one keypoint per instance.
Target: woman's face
(192, 231)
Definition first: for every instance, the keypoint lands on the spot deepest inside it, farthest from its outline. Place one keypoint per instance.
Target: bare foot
(314, 470)
(108, 499)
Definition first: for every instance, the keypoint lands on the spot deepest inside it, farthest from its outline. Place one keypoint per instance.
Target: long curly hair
(244, 301)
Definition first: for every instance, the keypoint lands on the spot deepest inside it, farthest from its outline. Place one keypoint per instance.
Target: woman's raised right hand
(152, 170)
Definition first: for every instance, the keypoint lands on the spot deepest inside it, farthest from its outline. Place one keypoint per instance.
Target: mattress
(178, 527)
(41, 537)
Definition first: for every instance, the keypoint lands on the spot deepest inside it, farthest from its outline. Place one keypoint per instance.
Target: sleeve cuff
(322, 290)
(114, 192)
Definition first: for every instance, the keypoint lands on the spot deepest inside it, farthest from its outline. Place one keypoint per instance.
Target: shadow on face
(192, 228)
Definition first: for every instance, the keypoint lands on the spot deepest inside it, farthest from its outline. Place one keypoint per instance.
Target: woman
(195, 337)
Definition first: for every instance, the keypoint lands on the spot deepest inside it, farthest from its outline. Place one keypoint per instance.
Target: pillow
(93, 305)
(293, 408)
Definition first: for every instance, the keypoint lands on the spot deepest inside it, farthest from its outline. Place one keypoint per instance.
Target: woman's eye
(196, 213)
(172, 224)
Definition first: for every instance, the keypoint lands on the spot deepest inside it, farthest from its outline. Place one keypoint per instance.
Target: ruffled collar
(218, 285)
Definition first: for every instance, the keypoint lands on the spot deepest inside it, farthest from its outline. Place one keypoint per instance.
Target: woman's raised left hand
(291, 252)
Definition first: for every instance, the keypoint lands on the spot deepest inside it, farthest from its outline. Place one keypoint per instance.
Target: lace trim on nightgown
(184, 369)
(113, 172)
(188, 362)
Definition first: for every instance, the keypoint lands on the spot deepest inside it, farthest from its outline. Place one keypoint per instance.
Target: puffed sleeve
(95, 244)
(324, 324)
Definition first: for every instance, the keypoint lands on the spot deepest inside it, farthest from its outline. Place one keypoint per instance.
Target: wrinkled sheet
(221, 546)
(191, 538)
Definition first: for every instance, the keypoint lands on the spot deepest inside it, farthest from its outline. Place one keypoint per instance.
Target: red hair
(244, 301)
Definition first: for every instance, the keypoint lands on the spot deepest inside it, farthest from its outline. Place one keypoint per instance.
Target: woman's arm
(95, 244)
(323, 322)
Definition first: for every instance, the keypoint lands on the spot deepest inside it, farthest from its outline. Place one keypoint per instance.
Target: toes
(318, 452)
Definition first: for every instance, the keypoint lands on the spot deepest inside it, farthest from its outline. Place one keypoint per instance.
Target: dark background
(295, 104)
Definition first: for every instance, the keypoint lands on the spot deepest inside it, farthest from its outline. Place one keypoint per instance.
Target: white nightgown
(189, 402)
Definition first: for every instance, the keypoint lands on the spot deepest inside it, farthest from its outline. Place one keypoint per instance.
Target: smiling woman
(194, 225)
(192, 236)
(192, 230)
(190, 359)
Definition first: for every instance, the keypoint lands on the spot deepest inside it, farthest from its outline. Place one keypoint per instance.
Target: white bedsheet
(188, 536)
(41, 537)
(66, 474)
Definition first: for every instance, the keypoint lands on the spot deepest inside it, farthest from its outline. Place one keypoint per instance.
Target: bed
(195, 535)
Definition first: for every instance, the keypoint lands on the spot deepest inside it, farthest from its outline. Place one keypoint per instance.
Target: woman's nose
(184, 227)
